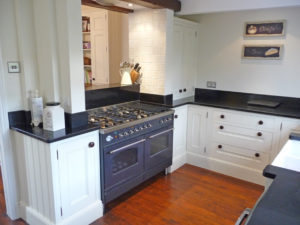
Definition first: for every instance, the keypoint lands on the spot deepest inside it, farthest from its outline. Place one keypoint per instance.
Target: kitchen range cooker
(136, 143)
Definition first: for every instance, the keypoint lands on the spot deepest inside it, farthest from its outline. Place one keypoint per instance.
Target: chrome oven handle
(243, 216)
(155, 135)
(126, 146)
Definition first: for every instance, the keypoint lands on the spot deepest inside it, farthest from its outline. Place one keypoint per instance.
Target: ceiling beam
(112, 8)
(158, 4)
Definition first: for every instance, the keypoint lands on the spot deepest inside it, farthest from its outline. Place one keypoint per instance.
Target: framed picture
(264, 29)
(262, 51)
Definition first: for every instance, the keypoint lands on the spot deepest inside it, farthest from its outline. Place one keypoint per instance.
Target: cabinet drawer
(237, 155)
(248, 120)
(241, 137)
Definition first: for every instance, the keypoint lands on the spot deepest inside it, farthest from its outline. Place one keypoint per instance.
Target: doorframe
(6, 151)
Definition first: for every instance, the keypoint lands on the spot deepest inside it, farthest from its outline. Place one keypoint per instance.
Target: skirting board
(240, 172)
(85, 216)
(178, 162)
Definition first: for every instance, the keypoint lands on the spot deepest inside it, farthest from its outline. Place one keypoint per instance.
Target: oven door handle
(126, 146)
(243, 216)
(166, 131)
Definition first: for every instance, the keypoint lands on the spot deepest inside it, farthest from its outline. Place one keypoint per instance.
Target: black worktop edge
(27, 131)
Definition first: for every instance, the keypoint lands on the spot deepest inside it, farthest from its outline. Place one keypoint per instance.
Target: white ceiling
(208, 6)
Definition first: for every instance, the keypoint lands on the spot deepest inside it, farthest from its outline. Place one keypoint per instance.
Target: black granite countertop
(289, 107)
(280, 204)
(53, 136)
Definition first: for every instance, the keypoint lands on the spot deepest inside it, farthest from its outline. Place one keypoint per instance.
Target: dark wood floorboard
(190, 195)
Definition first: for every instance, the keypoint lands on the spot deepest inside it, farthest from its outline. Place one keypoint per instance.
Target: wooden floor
(190, 195)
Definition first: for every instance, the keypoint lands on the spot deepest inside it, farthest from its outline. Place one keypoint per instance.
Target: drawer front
(248, 120)
(240, 156)
(242, 137)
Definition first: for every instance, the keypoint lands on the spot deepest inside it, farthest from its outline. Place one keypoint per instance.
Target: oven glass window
(159, 144)
(124, 159)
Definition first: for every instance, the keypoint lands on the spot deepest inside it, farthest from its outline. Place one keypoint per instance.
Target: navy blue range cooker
(136, 143)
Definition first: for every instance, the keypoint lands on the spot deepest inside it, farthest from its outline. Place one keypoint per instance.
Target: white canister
(53, 117)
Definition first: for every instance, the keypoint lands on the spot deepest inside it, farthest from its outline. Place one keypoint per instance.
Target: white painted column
(69, 36)
(46, 43)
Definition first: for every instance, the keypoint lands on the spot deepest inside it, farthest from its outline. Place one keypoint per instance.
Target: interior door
(99, 48)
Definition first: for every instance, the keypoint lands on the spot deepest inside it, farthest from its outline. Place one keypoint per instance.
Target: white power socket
(13, 67)
(211, 84)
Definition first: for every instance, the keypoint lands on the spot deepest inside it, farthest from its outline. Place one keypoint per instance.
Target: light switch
(13, 67)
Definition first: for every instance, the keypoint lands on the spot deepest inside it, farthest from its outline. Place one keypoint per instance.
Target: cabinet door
(184, 58)
(287, 127)
(99, 48)
(180, 125)
(196, 129)
(78, 162)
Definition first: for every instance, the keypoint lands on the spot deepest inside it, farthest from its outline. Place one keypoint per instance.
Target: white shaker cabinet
(60, 181)
(288, 126)
(196, 129)
(184, 58)
(179, 137)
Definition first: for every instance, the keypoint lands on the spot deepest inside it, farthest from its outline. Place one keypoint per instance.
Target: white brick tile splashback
(147, 45)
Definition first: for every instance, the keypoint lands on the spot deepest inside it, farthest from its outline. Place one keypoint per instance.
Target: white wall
(148, 31)
(220, 60)
(9, 43)
(207, 6)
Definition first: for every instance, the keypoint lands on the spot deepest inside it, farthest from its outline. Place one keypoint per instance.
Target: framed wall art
(265, 29)
(262, 51)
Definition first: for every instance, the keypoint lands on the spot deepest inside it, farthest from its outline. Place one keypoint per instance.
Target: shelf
(86, 49)
(86, 32)
(87, 66)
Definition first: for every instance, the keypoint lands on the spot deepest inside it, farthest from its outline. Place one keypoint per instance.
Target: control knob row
(165, 120)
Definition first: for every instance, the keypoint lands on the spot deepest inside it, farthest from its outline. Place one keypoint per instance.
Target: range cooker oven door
(123, 161)
(159, 148)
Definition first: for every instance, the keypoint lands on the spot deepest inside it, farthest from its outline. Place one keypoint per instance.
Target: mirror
(105, 36)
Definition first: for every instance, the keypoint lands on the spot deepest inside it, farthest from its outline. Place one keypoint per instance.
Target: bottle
(36, 108)
(53, 117)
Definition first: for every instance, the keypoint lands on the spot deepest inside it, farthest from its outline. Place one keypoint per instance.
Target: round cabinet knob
(176, 116)
(222, 116)
(221, 127)
(220, 146)
(257, 155)
(260, 122)
(91, 144)
(259, 134)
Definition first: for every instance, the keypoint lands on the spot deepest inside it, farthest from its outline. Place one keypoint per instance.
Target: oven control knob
(131, 131)
(149, 125)
(141, 128)
(161, 121)
(145, 126)
(109, 138)
(166, 120)
(170, 118)
(136, 129)
(121, 135)
(125, 133)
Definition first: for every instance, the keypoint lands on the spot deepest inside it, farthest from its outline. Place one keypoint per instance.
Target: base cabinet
(238, 144)
(62, 180)
(179, 138)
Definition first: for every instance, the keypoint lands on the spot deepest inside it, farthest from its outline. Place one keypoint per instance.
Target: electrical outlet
(211, 84)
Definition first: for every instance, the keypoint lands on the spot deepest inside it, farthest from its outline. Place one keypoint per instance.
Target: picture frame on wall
(262, 51)
(265, 29)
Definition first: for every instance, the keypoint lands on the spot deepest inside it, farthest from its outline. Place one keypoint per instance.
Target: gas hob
(119, 116)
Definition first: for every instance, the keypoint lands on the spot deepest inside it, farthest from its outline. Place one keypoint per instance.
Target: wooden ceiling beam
(112, 8)
(158, 4)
